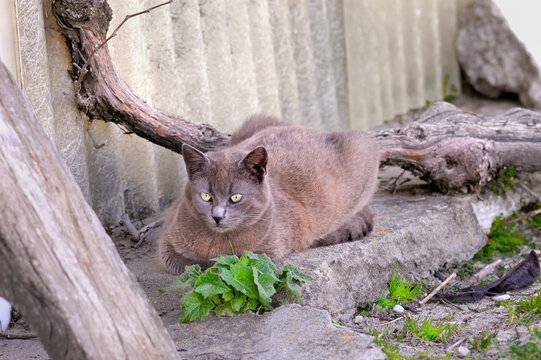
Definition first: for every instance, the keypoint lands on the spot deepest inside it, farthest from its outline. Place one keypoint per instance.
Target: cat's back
(322, 171)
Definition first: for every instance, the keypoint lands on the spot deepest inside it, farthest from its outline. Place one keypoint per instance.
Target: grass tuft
(429, 329)
(401, 291)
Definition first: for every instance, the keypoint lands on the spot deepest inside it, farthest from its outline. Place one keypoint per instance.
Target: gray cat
(277, 189)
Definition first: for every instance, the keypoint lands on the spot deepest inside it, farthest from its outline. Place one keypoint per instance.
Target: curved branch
(102, 94)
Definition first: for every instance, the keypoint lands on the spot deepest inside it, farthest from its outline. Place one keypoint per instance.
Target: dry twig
(135, 234)
(145, 231)
(18, 336)
(435, 291)
(487, 270)
(91, 134)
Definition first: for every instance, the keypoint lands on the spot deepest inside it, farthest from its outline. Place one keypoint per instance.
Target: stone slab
(288, 332)
(420, 234)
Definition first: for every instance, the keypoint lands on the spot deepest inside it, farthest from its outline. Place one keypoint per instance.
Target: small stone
(463, 351)
(358, 319)
(501, 297)
(398, 309)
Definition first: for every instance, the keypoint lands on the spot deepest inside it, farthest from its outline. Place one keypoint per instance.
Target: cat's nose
(218, 213)
(217, 219)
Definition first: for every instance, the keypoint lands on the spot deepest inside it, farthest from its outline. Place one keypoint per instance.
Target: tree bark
(101, 94)
(451, 148)
(58, 265)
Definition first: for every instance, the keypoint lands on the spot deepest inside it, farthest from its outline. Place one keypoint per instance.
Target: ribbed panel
(330, 64)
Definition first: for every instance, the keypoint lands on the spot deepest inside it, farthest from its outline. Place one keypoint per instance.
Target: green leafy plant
(481, 342)
(401, 291)
(502, 238)
(431, 330)
(504, 181)
(234, 284)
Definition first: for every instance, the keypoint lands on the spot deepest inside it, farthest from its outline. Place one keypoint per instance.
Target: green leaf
(211, 284)
(241, 278)
(237, 302)
(265, 285)
(263, 263)
(251, 304)
(296, 273)
(187, 278)
(195, 307)
(226, 259)
(292, 287)
(224, 309)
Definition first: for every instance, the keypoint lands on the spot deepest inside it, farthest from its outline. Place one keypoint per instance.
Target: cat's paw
(357, 227)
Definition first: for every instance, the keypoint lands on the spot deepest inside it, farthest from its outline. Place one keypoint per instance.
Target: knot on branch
(79, 12)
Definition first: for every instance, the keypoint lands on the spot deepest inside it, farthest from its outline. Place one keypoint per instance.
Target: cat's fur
(301, 188)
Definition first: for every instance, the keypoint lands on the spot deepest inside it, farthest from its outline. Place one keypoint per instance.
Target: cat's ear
(256, 162)
(194, 159)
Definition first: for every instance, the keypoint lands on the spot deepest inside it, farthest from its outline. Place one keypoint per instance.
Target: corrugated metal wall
(330, 64)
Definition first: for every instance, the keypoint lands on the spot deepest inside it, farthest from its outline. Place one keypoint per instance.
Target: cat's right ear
(194, 159)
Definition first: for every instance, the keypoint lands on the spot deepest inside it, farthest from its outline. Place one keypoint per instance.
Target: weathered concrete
(420, 234)
(289, 332)
(493, 58)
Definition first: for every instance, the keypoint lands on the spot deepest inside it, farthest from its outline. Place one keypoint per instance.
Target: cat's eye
(205, 196)
(236, 198)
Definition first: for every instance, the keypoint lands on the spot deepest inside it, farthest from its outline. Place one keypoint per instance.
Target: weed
(431, 330)
(502, 238)
(401, 291)
(448, 95)
(531, 304)
(383, 340)
(481, 342)
(467, 270)
(234, 284)
(504, 181)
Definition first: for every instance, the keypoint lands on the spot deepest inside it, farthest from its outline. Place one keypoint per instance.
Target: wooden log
(450, 147)
(58, 265)
(102, 94)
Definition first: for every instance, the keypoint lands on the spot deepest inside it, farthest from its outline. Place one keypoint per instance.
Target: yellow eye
(236, 198)
(205, 196)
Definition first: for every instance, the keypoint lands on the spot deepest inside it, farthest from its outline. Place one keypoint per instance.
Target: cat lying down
(277, 189)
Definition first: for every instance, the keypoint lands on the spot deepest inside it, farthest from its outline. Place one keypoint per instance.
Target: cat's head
(227, 189)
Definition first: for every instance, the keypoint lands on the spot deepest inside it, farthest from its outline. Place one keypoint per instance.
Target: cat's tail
(254, 124)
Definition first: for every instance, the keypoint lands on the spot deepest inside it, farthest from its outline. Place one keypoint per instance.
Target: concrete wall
(330, 64)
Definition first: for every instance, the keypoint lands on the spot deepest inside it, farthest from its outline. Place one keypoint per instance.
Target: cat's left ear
(256, 162)
(195, 160)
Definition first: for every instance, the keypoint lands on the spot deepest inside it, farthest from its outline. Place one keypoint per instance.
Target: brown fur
(313, 191)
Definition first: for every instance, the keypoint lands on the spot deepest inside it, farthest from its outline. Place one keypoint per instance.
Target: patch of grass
(429, 329)
(525, 310)
(401, 290)
(504, 181)
(390, 348)
(503, 238)
(481, 342)
(530, 304)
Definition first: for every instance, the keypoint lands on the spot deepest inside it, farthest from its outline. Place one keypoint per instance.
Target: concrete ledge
(288, 332)
(422, 234)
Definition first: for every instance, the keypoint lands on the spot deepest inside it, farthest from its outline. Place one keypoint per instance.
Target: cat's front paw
(357, 227)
